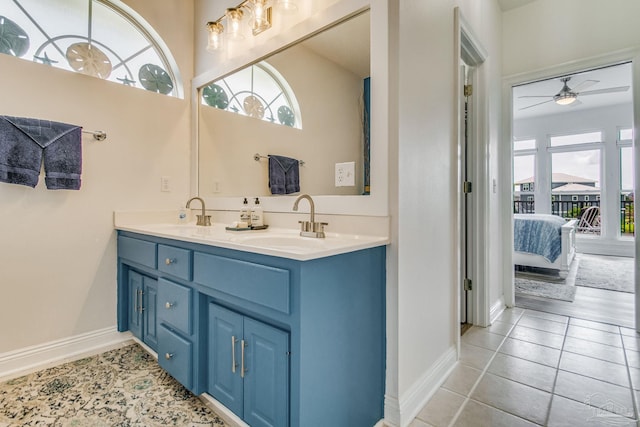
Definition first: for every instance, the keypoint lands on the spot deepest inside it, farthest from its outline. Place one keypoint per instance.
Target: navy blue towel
(25, 142)
(284, 175)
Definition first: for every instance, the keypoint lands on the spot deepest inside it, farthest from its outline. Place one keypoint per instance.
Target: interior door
(466, 306)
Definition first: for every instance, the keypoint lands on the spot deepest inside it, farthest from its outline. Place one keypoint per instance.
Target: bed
(544, 241)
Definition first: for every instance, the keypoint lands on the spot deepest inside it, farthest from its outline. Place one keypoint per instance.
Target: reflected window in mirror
(258, 91)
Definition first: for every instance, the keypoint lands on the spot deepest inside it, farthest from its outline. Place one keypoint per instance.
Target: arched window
(100, 38)
(257, 91)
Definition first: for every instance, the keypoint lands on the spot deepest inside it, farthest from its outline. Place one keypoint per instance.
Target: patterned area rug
(605, 272)
(122, 387)
(531, 287)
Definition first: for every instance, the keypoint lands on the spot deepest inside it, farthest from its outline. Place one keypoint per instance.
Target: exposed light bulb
(234, 17)
(215, 40)
(261, 19)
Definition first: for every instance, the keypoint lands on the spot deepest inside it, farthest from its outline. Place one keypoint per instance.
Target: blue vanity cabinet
(249, 367)
(310, 335)
(143, 295)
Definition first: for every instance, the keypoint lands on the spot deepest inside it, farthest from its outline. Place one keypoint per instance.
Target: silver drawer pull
(242, 345)
(234, 365)
(168, 356)
(169, 305)
(170, 261)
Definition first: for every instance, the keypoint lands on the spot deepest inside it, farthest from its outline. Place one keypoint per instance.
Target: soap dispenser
(245, 213)
(257, 214)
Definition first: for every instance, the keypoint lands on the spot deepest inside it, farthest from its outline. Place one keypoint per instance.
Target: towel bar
(257, 158)
(98, 135)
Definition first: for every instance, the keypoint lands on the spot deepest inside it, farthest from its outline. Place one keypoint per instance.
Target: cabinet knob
(168, 304)
(168, 356)
(169, 261)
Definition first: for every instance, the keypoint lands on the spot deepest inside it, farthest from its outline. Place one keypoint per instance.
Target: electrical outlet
(345, 174)
(165, 183)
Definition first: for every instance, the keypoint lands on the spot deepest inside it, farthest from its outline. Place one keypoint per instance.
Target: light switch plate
(346, 174)
(165, 184)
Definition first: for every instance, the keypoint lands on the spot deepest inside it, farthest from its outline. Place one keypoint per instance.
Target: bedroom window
(575, 139)
(625, 148)
(523, 181)
(99, 38)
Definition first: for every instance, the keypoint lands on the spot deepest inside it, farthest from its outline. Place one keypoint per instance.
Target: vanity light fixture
(260, 20)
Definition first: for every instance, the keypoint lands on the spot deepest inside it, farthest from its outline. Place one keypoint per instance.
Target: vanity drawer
(175, 355)
(174, 305)
(136, 250)
(261, 284)
(175, 261)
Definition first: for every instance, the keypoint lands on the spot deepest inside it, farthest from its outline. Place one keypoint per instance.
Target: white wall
(546, 33)
(58, 260)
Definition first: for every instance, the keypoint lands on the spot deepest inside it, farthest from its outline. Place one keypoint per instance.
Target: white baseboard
(413, 400)
(30, 359)
(496, 309)
(224, 412)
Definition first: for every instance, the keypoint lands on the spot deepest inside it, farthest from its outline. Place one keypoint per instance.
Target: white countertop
(281, 242)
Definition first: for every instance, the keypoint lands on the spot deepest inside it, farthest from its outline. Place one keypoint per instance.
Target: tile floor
(532, 368)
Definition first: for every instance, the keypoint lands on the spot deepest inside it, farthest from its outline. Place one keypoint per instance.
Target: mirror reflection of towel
(284, 175)
(26, 142)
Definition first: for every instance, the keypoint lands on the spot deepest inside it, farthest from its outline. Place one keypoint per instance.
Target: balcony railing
(572, 209)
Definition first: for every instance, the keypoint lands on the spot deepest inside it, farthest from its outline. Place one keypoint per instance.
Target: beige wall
(58, 263)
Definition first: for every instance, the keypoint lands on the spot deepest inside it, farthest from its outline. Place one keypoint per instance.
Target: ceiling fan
(569, 96)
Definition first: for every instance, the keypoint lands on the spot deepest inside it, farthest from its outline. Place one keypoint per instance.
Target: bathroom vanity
(282, 330)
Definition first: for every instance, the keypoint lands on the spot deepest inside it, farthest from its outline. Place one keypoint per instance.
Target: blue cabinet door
(266, 375)
(150, 301)
(136, 290)
(225, 334)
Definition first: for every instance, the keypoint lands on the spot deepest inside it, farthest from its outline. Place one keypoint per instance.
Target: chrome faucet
(310, 228)
(202, 219)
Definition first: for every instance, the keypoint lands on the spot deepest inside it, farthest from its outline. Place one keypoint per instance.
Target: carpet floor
(122, 387)
(594, 271)
(605, 272)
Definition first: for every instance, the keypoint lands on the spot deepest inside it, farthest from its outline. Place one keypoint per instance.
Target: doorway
(572, 157)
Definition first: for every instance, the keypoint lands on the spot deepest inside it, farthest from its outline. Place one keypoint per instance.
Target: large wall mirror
(317, 115)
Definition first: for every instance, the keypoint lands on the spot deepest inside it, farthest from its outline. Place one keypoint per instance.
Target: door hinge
(468, 285)
(468, 90)
(466, 187)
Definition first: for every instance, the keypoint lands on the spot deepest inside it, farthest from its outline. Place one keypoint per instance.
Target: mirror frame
(374, 204)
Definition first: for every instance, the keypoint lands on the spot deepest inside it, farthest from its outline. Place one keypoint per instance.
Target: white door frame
(506, 156)
(469, 50)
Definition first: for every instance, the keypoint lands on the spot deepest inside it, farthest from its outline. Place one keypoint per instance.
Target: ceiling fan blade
(607, 90)
(584, 85)
(536, 96)
(534, 105)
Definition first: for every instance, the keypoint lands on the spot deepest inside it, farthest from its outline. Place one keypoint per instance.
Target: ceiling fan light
(566, 98)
